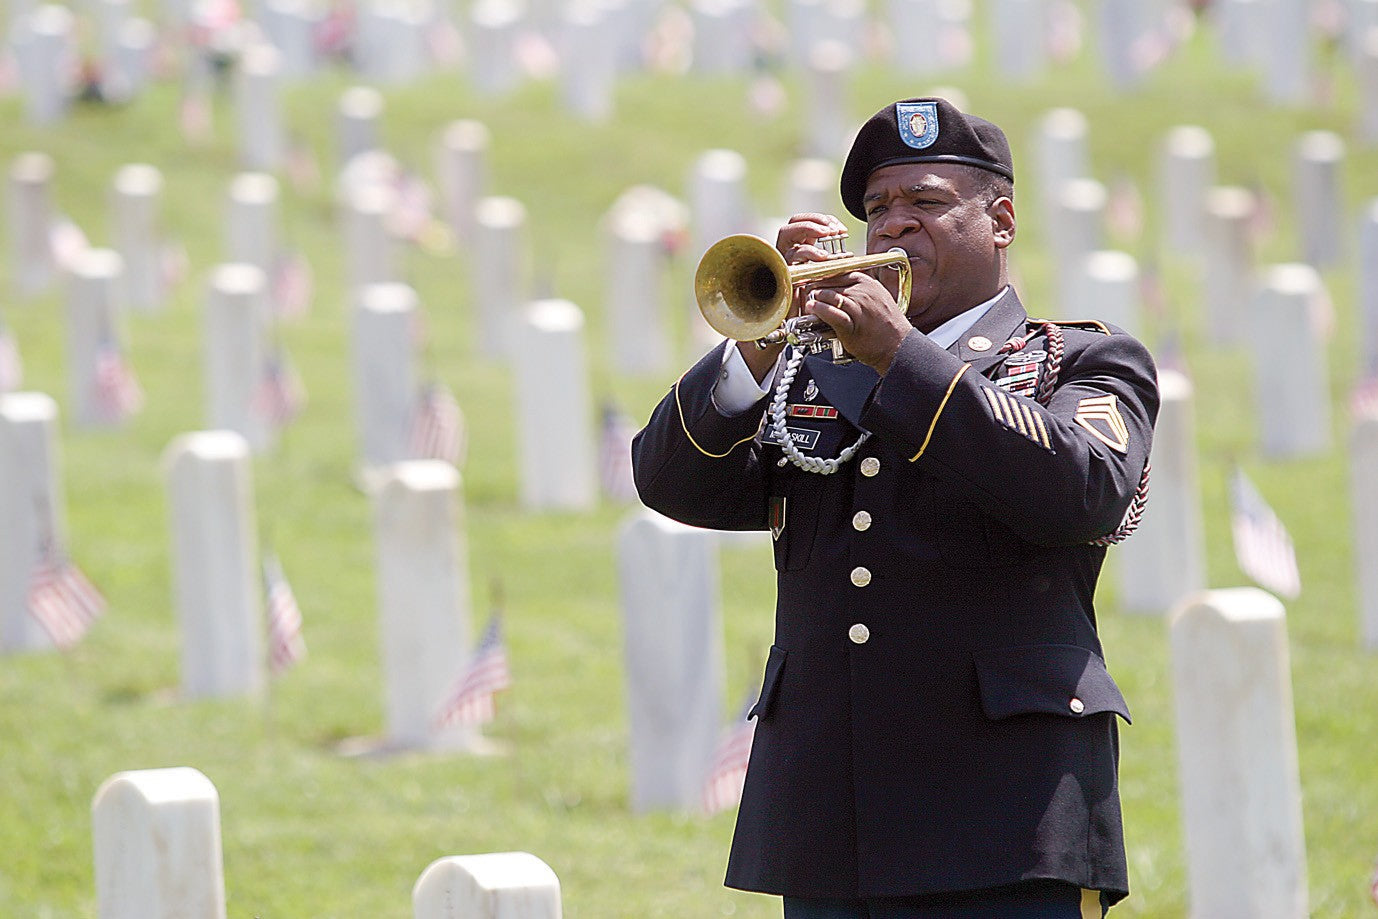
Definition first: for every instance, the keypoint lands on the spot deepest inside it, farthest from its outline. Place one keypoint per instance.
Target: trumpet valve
(834, 244)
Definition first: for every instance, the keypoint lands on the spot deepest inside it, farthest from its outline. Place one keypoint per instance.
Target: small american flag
(1363, 399)
(727, 774)
(1261, 543)
(471, 699)
(437, 430)
(62, 600)
(292, 284)
(280, 395)
(615, 455)
(117, 393)
(285, 644)
(194, 117)
(1373, 883)
(11, 368)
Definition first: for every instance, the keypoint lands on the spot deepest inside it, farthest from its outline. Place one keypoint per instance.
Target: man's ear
(1003, 224)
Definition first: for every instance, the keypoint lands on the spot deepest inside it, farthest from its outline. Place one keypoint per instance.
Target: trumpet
(744, 288)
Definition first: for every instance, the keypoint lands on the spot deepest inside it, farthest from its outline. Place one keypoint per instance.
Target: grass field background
(310, 833)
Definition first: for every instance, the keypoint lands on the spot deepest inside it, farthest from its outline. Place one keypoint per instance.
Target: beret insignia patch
(918, 123)
(1100, 417)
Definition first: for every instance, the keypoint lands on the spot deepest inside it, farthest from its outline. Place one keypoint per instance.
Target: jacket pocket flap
(1050, 679)
(769, 684)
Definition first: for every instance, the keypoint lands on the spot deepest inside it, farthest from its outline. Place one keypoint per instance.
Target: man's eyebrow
(917, 188)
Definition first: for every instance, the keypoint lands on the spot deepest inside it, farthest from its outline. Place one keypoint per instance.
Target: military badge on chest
(1019, 373)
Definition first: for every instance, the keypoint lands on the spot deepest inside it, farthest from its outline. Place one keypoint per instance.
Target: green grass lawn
(309, 832)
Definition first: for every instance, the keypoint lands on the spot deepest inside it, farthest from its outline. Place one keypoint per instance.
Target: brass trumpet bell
(744, 287)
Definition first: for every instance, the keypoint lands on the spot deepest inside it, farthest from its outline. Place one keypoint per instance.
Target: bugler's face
(955, 239)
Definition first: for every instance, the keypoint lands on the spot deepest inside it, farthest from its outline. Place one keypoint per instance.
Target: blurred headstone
(501, 265)
(262, 139)
(236, 352)
(635, 242)
(588, 71)
(370, 250)
(669, 585)
(1292, 389)
(1165, 560)
(31, 506)
(462, 174)
(722, 36)
(31, 219)
(1109, 289)
(1363, 459)
(156, 836)
(827, 74)
(292, 26)
(359, 116)
(1367, 292)
(1230, 262)
(494, 39)
(946, 27)
(1287, 71)
(812, 22)
(135, 205)
(215, 564)
(45, 48)
(1061, 154)
(719, 205)
(251, 221)
(1018, 36)
(555, 422)
(1366, 76)
(499, 885)
(1237, 754)
(1321, 223)
(1076, 230)
(1187, 172)
(93, 324)
(385, 380)
(811, 187)
(423, 601)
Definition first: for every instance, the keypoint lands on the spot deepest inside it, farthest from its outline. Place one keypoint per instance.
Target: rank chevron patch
(1100, 417)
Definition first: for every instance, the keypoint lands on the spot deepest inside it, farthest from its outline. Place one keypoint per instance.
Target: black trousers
(1037, 901)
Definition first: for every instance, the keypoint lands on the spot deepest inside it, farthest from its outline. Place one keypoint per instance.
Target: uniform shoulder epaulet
(1087, 325)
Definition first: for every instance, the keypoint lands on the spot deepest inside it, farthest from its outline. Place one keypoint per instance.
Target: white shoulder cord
(820, 465)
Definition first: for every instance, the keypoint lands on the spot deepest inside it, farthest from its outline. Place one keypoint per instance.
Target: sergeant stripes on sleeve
(1017, 416)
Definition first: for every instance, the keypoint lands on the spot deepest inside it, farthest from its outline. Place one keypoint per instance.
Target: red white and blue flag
(1363, 399)
(727, 774)
(292, 285)
(116, 391)
(285, 643)
(280, 396)
(437, 430)
(63, 601)
(471, 699)
(1262, 545)
(615, 455)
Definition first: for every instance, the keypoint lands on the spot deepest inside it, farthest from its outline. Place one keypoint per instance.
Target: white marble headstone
(30, 216)
(94, 301)
(1292, 388)
(385, 377)
(1164, 560)
(1230, 263)
(1321, 221)
(1237, 754)
(462, 173)
(215, 564)
(261, 132)
(156, 835)
(235, 346)
(673, 646)
(423, 601)
(135, 204)
(555, 420)
(501, 270)
(1363, 459)
(30, 505)
(498, 885)
(1187, 172)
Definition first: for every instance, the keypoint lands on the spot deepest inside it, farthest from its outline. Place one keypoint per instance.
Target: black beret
(928, 130)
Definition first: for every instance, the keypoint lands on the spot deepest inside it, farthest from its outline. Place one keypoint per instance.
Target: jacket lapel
(846, 386)
(1004, 320)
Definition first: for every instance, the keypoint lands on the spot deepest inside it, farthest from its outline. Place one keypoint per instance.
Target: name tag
(802, 438)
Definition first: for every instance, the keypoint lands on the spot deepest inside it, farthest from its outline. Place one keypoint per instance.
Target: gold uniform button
(1077, 706)
(859, 634)
(861, 576)
(870, 466)
(861, 520)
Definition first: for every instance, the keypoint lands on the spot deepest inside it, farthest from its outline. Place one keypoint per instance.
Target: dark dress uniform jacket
(935, 713)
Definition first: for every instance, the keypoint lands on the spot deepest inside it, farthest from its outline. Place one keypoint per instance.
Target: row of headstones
(158, 855)
(1241, 795)
(421, 555)
(589, 45)
(1280, 312)
(1165, 560)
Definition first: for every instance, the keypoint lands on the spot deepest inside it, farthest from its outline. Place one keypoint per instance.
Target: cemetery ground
(309, 832)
